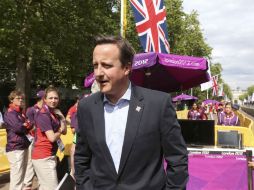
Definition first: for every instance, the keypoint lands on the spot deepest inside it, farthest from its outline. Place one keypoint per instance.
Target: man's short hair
(126, 50)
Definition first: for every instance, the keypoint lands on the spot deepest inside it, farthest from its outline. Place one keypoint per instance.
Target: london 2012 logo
(140, 62)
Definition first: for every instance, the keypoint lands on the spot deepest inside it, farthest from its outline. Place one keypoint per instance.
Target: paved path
(5, 179)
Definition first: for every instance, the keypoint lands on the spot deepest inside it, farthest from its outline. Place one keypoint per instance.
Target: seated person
(228, 117)
(195, 113)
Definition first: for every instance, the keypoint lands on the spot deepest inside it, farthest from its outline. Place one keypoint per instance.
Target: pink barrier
(217, 172)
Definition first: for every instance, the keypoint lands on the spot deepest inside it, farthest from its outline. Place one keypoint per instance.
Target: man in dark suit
(125, 131)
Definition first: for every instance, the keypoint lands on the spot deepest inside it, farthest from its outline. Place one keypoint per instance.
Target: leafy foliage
(250, 91)
(51, 41)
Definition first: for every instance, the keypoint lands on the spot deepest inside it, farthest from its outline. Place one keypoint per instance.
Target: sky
(228, 27)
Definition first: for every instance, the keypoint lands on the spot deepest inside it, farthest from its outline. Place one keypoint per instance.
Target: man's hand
(251, 164)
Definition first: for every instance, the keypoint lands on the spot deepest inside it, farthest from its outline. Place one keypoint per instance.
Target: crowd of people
(33, 137)
(121, 133)
(224, 113)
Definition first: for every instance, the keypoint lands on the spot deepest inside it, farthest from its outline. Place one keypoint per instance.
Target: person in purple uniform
(195, 113)
(33, 110)
(17, 127)
(31, 114)
(49, 128)
(228, 117)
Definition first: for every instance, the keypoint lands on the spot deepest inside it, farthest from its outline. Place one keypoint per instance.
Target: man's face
(109, 72)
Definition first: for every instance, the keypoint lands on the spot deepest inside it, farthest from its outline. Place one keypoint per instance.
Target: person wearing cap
(228, 117)
(32, 111)
(31, 114)
(17, 128)
(49, 129)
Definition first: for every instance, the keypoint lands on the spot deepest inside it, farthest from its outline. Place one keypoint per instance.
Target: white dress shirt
(115, 125)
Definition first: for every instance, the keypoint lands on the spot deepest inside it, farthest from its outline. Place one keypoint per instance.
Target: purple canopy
(89, 80)
(168, 72)
(208, 101)
(183, 97)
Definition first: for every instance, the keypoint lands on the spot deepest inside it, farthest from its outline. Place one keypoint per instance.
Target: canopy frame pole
(123, 20)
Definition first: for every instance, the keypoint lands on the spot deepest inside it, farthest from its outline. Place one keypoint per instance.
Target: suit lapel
(99, 126)
(136, 108)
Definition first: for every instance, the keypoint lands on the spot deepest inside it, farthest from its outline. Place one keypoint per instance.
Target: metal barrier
(4, 163)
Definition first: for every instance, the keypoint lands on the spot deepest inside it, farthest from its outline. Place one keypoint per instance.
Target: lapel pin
(138, 108)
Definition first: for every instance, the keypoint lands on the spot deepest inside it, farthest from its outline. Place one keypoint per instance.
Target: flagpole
(123, 20)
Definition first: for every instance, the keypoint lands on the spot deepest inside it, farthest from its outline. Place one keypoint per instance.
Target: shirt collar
(126, 96)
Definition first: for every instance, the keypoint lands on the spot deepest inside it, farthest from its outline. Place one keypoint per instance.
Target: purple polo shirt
(31, 113)
(16, 132)
(45, 120)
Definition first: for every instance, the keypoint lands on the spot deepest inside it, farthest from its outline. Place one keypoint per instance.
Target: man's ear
(128, 68)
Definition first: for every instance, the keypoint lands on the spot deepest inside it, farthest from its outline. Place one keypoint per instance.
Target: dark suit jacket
(151, 134)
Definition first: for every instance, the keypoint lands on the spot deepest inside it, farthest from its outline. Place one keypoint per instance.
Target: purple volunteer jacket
(31, 113)
(16, 132)
(228, 120)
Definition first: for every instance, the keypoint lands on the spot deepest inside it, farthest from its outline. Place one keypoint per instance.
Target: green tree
(185, 35)
(250, 90)
(227, 91)
(51, 42)
(47, 41)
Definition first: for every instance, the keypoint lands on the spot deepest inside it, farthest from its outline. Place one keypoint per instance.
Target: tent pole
(123, 20)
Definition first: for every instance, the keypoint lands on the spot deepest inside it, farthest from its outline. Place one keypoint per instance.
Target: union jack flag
(215, 85)
(150, 17)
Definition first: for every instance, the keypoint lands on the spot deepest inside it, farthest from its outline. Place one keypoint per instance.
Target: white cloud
(228, 27)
